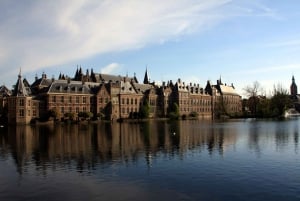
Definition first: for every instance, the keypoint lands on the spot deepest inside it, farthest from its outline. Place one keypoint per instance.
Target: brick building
(116, 97)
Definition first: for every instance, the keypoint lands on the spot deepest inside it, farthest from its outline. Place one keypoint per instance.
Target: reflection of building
(85, 145)
(115, 97)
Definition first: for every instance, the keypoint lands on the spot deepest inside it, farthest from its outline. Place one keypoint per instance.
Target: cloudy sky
(196, 40)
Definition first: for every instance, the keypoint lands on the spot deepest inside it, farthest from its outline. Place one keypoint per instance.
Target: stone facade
(116, 97)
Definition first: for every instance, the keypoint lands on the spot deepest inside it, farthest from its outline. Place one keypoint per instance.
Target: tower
(293, 88)
(146, 77)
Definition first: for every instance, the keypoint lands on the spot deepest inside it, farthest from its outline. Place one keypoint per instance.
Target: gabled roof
(4, 91)
(142, 88)
(127, 88)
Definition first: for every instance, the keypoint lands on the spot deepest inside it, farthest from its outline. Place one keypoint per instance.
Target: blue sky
(196, 40)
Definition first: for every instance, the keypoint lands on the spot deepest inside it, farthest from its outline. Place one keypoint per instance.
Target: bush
(193, 114)
(173, 115)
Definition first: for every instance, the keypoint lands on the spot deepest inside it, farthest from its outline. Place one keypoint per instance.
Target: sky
(239, 41)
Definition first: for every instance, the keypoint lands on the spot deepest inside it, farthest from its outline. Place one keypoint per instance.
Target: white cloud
(47, 33)
(111, 68)
(37, 34)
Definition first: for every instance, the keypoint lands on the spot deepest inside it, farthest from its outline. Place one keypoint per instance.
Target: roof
(142, 88)
(4, 91)
(127, 88)
(225, 89)
(113, 78)
(72, 87)
(20, 89)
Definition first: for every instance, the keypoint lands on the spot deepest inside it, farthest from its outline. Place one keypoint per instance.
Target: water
(155, 160)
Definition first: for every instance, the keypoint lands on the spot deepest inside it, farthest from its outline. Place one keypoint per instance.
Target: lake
(154, 160)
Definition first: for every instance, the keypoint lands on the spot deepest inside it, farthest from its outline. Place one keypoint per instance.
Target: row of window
(130, 101)
(69, 99)
(195, 102)
(128, 110)
(205, 109)
(22, 113)
(71, 109)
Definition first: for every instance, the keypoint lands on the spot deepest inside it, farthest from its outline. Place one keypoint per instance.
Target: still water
(155, 160)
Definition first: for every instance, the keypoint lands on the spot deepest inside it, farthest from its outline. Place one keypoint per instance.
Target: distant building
(115, 97)
(293, 89)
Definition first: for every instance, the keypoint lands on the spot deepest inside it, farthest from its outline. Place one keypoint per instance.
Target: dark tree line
(259, 105)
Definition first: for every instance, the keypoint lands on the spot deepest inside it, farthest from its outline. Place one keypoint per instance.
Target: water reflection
(84, 147)
(89, 145)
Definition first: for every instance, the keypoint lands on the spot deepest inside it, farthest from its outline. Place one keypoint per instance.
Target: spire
(293, 88)
(76, 74)
(93, 77)
(146, 77)
(20, 89)
(19, 76)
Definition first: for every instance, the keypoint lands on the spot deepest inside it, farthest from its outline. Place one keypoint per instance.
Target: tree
(69, 115)
(53, 113)
(253, 92)
(145, 110)
(174, 112)
(85, 115)
(280, 100)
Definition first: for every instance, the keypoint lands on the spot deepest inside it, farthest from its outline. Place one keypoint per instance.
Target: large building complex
(114, 97)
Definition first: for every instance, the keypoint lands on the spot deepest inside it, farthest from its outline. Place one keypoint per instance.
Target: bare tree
(253, 92)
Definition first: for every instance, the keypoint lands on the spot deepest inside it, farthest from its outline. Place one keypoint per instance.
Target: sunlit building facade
(116, 97)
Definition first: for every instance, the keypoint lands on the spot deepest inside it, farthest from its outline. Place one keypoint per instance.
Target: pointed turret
(76, 74)
(20, 89)
(146, 77)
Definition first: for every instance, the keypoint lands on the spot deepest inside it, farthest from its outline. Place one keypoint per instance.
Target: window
(77, 109)
(70, 99)
(62, 110)
(62, 99)
(53, 99)
(84, 99)
(100, 100)
(21, 102)
(77, 99)
(21, 113)
(106, 100)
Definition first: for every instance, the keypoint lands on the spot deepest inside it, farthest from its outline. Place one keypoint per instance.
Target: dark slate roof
(42, 82)
(106, 78)
(65, 86)
(142, 88)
